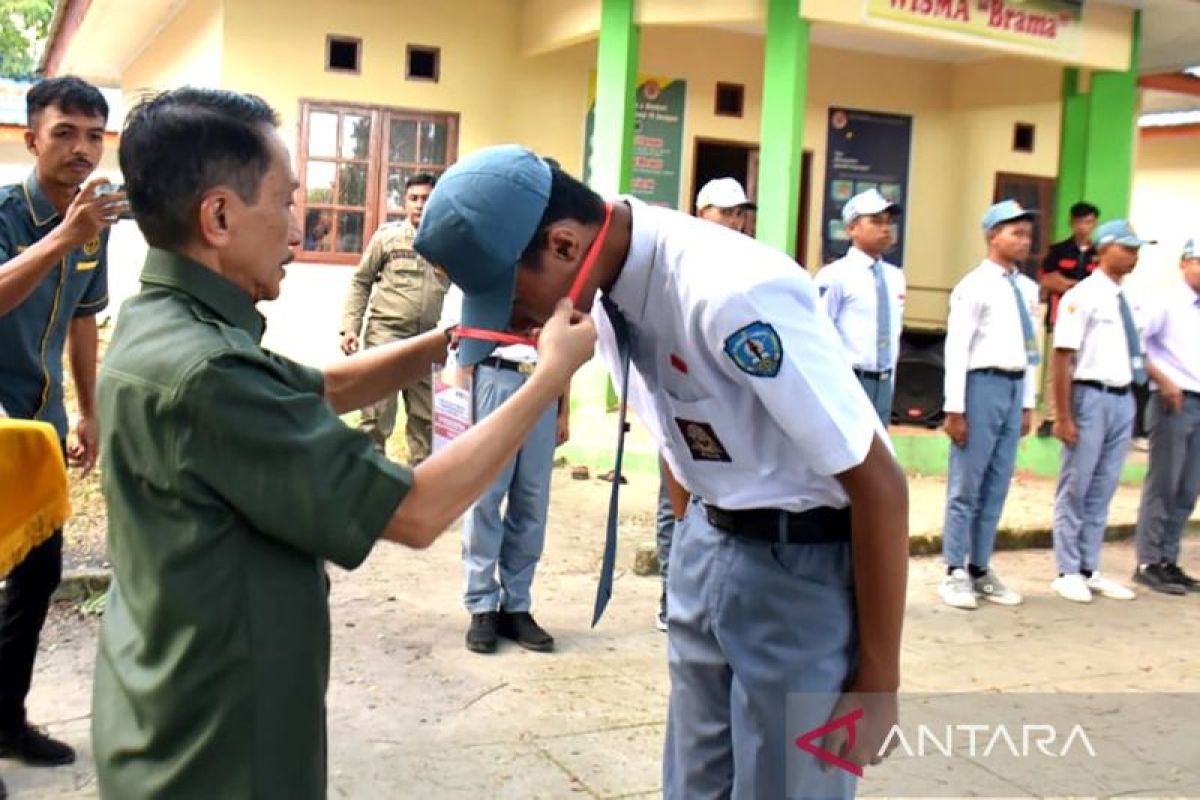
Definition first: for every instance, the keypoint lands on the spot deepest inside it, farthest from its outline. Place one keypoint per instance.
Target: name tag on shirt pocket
(84, 266)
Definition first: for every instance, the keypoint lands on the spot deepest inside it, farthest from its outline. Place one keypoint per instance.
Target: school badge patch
(756, 350)
(92, 247)
(702, 441)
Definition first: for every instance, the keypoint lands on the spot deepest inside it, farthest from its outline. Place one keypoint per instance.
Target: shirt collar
(174, 271)
(629, 290)
(1005, 272)
(1103, 281)
(859, 257)
(40, 208)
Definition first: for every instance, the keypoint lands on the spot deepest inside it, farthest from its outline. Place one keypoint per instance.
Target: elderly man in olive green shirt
(401, 295)
(230, 479)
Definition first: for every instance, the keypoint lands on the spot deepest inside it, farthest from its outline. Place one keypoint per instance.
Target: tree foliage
(24, 25)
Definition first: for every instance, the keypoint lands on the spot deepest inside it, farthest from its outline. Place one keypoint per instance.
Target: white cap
(865, 204)
(723, 193)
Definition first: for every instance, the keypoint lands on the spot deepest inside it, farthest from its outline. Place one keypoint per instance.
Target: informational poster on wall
(1043, 25)
(657, 139)
(865, 150)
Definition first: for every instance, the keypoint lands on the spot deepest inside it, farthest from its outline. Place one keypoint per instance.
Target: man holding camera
(53, 282)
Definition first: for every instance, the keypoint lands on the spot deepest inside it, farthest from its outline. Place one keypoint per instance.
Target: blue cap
(1191, 248)
(480, 217)
(1117, 231)
(1005, 211)
(865, 204)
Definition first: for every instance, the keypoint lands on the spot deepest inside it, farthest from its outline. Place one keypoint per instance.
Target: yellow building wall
(498, 96)
(1166, 204)
(187, 51)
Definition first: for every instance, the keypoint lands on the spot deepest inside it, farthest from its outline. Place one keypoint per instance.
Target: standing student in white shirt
(776, 625)
(864, 296)
(1097, 360)
(1172, 333)
(502, 546)
(991, 378)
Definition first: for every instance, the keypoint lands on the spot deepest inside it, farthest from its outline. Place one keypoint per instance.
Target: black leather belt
(1001, 373)
(881, 375)
(1105, 387)
(822, 525)
(513, 366)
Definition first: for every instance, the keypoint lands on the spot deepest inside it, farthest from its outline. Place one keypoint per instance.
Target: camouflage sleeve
(360, 285)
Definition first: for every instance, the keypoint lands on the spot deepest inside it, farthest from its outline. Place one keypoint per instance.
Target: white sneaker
(1109, 588)
(990, 587)
(1072, 587)
(956, 590)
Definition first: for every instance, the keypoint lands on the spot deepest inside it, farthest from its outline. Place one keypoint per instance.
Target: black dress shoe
(520, 627)
(481, 636)
(1156, 578)
(35, 748)
(1177, 575)
(3, 791)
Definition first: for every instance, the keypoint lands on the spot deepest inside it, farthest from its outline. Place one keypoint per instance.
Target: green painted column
(1072, 152)
(616, 80)
(785, 84)
(1112, 134)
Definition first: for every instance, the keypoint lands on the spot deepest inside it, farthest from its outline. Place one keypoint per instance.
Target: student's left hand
(83, 445)
(1026, 421)
(880, 714)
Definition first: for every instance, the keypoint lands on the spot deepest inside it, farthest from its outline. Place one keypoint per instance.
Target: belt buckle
(525, 368)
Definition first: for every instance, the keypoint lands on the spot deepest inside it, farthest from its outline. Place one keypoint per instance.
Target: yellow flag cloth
(34, 500)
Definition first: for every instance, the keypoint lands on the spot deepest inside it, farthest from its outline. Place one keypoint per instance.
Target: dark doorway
(1036, 192)
(716, 158)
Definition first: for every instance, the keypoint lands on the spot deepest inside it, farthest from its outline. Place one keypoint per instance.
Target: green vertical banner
(657, 158)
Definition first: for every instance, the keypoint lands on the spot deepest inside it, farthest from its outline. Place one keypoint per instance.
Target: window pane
(356, 136)
(352, 188)
(395, 192)
(350, 231)
(318, 229)
(402, 141)
(319, 182)
(322, 134)
(433, 143)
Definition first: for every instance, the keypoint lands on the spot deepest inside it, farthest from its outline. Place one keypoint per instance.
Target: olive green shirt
(229, 479)
(394, 285)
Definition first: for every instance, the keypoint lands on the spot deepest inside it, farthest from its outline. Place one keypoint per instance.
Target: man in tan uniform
(406, 301)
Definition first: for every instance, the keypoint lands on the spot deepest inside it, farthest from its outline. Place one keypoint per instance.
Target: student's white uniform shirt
(984, 331)
(1089, 322)
(736, 370)
(1171, 328)
(848, 293)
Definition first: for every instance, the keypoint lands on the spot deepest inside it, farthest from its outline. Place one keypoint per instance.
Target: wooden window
(343, 54)
(422, 63)
(353, 163)
(730, 100)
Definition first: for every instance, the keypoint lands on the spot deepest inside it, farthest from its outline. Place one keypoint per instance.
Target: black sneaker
(520, 627)
(481, 636)
(1177, 575)
(3, 791)
(661, 621)
(35, 748)
(1156, 578)
(1046, 429)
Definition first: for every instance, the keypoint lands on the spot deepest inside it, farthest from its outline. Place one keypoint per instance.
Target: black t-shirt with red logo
(1070, 261)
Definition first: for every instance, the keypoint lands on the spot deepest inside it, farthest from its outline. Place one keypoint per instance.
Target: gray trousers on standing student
(1172, 481)
(1089, 475)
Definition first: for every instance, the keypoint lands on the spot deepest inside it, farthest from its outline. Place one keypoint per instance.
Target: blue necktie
(883, 320)
(604, 588)
(1031, 351)
(1132, 343)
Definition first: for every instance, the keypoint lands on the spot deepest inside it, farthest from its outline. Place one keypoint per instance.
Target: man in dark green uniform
(230, 479)
(53, 281)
